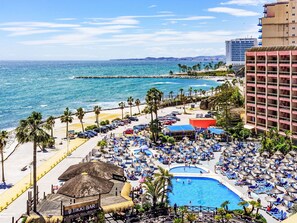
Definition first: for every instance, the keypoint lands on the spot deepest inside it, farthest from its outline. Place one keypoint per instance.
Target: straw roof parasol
(281, 207)
(265, 153)
(278, 153)
(270, 199)
(97, 169)
(291, 190)
(293, 153)
(291, 180)
(275, 156)
(289, 156)
(257, 171)
(288, 198)
(85, 185)
(276, 191)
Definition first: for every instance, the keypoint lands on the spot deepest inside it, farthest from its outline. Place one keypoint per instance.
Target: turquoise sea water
(49, 87)
(201, 192)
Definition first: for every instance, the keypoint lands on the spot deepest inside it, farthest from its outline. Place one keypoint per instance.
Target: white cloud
(233, 11)
(152, 6)
(246, 2)
(192, 18)
(165, 12)
(40, 24)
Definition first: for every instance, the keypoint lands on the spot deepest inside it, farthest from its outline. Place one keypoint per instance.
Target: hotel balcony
(260, 30)
(259, 43)
(260, 37)
(260, 22)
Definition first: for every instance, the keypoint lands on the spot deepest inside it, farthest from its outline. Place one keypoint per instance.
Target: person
(249, 193)
(175, 208)
(259, 200)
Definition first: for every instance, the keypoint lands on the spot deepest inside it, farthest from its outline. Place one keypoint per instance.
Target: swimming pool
(186, 169)
(146, 151)
(201, 191)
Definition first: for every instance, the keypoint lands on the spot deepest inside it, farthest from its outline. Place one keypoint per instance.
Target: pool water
(146, 151)
(201, 192)
(186, 169)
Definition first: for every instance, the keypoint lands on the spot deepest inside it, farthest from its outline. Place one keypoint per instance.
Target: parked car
(175, 113)
(101, 129)
(139, 127)
(167, 122)
(92, 133)
(126, 121)
(132, 118)
(128, 131)
(174, 117)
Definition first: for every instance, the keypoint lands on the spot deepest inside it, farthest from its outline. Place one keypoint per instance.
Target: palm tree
(195, 91)
(137, 103)
(80, 113)
(30, 130)
(50, 123)
(212, 89)
(97, 110)
(130, 103)
(3, 140)
(190, 91)
(191, 217)
(184, 100)
(153, 190)
(67, 118)
(181, 91)
(165, 177)
(122, 106)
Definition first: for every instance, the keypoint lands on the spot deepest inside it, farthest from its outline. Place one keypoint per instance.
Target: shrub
(107, 122)
(103, 123)
(171, 140)
(102, 144)
(90, 127)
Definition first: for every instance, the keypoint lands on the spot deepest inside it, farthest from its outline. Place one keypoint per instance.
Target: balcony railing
(272, 104)
(261, 92)
(261, 82)
(284, 84)
(251, 102)
(250, 81)
(284, 118)
(284, 96)
(294, 96)
(261, 61)
(261, 113)
(250, 91)
(250, 71)
(261, 124)
(261, 72)
(261, 103)
(284, 61)
(272, 61)
(284, 106)
(272, 83)
(272, 116)
(272, 72)
(251, 61)
(294, 61)
(272, 94)
(294, 73)
(284, 72)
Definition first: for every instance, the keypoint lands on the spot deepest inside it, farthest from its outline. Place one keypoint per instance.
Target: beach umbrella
(278, 153)
(265, 154)
(249, 177)
(291, 190)
(288, 198)
(293, 153)
(285, 160)
(275, 156)
(257, 171)
(266, 176)
(289, 156)
(281, 207)
(276, 191)
(291, 180)
(270, 199)
(280, 175)
(244, 173)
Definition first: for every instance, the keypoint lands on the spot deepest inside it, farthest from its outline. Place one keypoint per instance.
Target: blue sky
(109, 29)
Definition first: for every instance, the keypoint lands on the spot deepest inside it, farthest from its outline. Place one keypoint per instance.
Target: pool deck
(209, 166)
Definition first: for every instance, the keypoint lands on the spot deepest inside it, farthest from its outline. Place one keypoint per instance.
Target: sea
(50, 86)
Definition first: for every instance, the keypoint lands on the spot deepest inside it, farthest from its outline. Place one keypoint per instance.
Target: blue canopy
(216, 131)
(180, 128)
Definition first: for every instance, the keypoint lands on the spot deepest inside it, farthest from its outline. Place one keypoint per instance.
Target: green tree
(122, 107)
(137, 103)
(3, 141)
(171, 72)
(190, 91)
(191, 217)
(80, 113)
(50, 123)
(130, 101)
(165, 177)
(183, 210)
(67, 118)
(31, 130)
(97, 110)
(153, 190)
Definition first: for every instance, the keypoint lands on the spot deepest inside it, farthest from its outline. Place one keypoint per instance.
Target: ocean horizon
(49, 86)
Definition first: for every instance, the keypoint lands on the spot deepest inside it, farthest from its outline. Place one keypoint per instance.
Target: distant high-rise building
(236, 48)
(279, 24)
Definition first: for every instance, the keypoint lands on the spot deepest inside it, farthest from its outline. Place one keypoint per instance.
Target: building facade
(271, 89)
(236, 48)
(279, 24)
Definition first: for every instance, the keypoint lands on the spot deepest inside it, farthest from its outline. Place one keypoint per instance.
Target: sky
(118, 29)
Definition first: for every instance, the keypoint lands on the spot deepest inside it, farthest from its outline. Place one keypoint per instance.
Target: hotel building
(271, 88)
(279, 24)
(236, 48)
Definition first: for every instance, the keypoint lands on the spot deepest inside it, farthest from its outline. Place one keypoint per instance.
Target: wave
(200, 85)
(165, 82)
(43, 106)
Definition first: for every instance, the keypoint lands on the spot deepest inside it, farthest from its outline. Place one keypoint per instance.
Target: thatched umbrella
(278, 153)
(85, 185)
(289, 156)
(293, 153)
(291, 180)
(266, 176)
(276, 191)
(275, 156)
(291, 190)
(285, 160)
(288, 198)
(270, 199)
(257, 171)
(97, 169)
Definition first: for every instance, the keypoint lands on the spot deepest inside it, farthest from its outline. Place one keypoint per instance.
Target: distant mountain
(196, 59)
